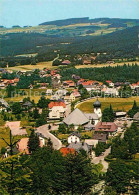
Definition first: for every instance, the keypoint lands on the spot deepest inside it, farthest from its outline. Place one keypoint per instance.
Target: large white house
(74, 138)
(57, 110)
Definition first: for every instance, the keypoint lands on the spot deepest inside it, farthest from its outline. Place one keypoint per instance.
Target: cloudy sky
(34, 12)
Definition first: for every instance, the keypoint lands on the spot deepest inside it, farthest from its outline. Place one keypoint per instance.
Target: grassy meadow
(117, 103)
(105, 65)
(40, 65)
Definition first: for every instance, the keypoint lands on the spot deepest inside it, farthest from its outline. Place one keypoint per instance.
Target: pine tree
(15, 176)
(49, 144)
(33, 143)
(134, 110)
(35, 113)
(78, 171)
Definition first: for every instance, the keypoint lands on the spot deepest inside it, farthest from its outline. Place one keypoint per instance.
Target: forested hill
(67, 21)
(123, 43)
(115, 22)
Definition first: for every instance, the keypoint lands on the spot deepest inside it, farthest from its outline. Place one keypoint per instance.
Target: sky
(34, 12)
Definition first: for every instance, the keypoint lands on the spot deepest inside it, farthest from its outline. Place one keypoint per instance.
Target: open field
(34, 94)
(105, 65)
(17, 99)
(40, 65)
(117, 103)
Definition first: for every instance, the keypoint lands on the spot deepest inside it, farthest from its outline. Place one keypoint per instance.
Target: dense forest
(116, 74)
(117, 45)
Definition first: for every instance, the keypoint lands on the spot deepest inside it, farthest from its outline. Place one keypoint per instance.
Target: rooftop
(77, 117)
(52, 104)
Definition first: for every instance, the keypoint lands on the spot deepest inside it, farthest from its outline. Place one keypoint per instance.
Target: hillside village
(69, 98)
(55, 120)
(57, 104)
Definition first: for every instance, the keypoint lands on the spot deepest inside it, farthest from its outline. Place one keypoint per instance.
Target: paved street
(43, 130)
(100, 159)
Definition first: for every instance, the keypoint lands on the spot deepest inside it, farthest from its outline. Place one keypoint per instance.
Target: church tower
(97, 108)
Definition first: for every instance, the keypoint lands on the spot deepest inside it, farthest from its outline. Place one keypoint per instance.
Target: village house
(111, 92)
(49, 92)
(80, 81)
(65, 151)
(2, 86)
(56, 83)
(86, 62)
(56, 97)
(136, 117)
(15, 128)
(110, 62)
(66, 62)
(74, 137)
(69, 84)
(76, 77)
(134, 85)
(74, 95)
(78, 146)
(110, 83)
(3, 105)
(61, 92)
(92, 85)
(76, 118)
(108, 128)
(27, 105)
(96, 139)
(57, 110)
(120, 114)
(86, 120)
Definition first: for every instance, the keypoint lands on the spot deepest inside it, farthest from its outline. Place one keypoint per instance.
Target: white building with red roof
(57, 110)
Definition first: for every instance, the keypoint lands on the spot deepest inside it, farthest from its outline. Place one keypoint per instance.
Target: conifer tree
(33, 143)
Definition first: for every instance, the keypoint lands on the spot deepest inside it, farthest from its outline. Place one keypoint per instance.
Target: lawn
(5, 133)
(34, 94)
(105, 65)
(117, 103)
(40, 65)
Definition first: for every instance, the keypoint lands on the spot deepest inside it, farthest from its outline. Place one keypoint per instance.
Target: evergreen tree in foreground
(33, 143)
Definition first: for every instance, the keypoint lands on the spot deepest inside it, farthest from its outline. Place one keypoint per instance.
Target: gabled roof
(65, 151)
(89, 125)
(93, 116)
(66, 62)
(101, 137)
(52, 104)
(4, 103)
(106, 127)
(28, 104)
(136, 116)
(77, 117)
(76, 134)
(79, 146)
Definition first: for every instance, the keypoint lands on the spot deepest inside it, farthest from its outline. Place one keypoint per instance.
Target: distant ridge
(67, 21)
(70, 21)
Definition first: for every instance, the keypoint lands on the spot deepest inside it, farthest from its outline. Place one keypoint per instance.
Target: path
(100, 159)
